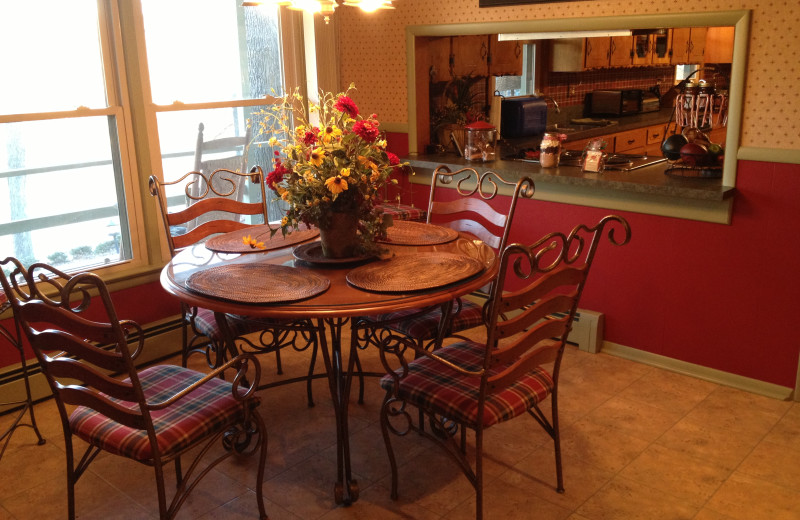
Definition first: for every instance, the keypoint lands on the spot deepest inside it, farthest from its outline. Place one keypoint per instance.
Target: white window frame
(109, 28)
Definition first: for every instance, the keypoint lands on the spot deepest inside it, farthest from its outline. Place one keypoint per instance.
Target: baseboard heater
(587, 331)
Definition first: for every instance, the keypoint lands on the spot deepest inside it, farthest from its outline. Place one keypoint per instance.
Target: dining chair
(25, 405)
(154, 416)
(466, 209)
(216, 197)
(472, 385)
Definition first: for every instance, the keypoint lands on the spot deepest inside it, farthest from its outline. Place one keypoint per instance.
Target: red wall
(714, 295)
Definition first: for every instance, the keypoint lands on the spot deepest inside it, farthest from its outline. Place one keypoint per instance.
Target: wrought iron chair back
(213, 205)
(87, 355)
(470, 210)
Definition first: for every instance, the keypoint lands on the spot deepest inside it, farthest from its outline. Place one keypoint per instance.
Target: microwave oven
(523, 116)
(614, 102)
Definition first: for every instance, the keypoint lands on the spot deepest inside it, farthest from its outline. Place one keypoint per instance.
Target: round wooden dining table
(275, 283)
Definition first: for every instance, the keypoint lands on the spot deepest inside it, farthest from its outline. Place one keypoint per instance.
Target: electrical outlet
(571, 90)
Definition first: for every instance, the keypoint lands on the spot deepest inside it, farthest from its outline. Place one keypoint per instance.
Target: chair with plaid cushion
(466, 209)
(470, 385)
(154, 416)
(217, 203)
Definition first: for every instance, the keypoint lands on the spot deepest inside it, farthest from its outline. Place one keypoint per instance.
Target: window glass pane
(179, 133)
(61, 196)
(51, 56)
(211, 50)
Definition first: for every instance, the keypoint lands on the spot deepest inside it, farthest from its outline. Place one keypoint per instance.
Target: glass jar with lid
(550, 150)
(481, 141)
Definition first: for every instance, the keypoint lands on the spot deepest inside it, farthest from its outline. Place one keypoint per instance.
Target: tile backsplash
(569, 88)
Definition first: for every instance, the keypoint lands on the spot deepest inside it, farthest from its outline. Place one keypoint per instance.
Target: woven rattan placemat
(420, 271)
(408, 233)
(257, 283)
(232, 242)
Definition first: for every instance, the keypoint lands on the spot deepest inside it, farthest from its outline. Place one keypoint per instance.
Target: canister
(481, 141)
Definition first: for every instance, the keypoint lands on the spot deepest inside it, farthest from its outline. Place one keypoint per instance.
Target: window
(69, 184)
(211, 63)
(63, 165)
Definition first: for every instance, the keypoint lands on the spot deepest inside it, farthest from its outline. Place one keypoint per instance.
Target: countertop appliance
(650, 102)
(523, 116)
(614, 102)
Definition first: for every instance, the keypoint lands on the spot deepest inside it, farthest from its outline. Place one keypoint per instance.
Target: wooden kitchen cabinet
(631, 141)
(621, 52)
(719, 45)
(651, 48)
(505, 58)
(438, 52)
(470, 55)
(688, 45)
(596, 52)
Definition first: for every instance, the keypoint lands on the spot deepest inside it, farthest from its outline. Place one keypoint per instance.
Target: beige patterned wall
(373, 54)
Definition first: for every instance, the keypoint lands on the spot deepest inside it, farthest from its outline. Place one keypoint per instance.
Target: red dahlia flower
(276, 175)
(347, 105)
(366, 130)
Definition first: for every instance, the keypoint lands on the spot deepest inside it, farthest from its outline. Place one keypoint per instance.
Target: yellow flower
(284, 221)
(273, 141)
(299, 132)
(345, 172)
(253, 243)
(317, 155)
(336, 184)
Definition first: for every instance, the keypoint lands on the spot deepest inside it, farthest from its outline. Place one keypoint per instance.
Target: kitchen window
(92, 76)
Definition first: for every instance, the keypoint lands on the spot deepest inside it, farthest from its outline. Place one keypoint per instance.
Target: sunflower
(336, 184)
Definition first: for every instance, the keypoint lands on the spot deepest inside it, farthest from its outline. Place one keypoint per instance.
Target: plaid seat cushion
(430, 385)
(425, 326)
(206, 324)
(404, 212)
(207, 409)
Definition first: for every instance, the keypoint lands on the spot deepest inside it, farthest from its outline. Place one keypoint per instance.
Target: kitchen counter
(644, 190)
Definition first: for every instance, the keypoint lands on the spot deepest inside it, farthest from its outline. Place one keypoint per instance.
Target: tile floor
(638, 443)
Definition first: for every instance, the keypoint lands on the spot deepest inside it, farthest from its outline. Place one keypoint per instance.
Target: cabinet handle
(517, 50)
(631, 141)
(484, 51)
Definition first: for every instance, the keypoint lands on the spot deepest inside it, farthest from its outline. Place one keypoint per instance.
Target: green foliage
(81, 252)
(106, 248)
(58, 258)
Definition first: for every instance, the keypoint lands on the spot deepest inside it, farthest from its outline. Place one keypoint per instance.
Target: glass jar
(550, 150)
(481, 141)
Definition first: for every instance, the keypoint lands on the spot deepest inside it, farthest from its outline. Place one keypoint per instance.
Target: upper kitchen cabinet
(437, 52)
(579, 54)
(688, 45)
(470, 55)
(505, 57)
(719, 45)
(651, 47)
(596, 52)
(621, 52)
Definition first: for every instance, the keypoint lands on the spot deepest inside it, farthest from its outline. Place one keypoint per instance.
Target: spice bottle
(550, 150)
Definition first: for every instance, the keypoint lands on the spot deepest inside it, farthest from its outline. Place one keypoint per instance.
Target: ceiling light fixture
(324, 7)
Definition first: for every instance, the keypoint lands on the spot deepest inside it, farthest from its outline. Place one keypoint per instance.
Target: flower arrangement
(335, 166)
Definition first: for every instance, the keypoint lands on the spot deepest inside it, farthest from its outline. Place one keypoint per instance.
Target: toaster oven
(614, 102)
(522, 116)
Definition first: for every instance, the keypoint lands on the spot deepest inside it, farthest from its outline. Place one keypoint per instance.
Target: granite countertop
(647, 180)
